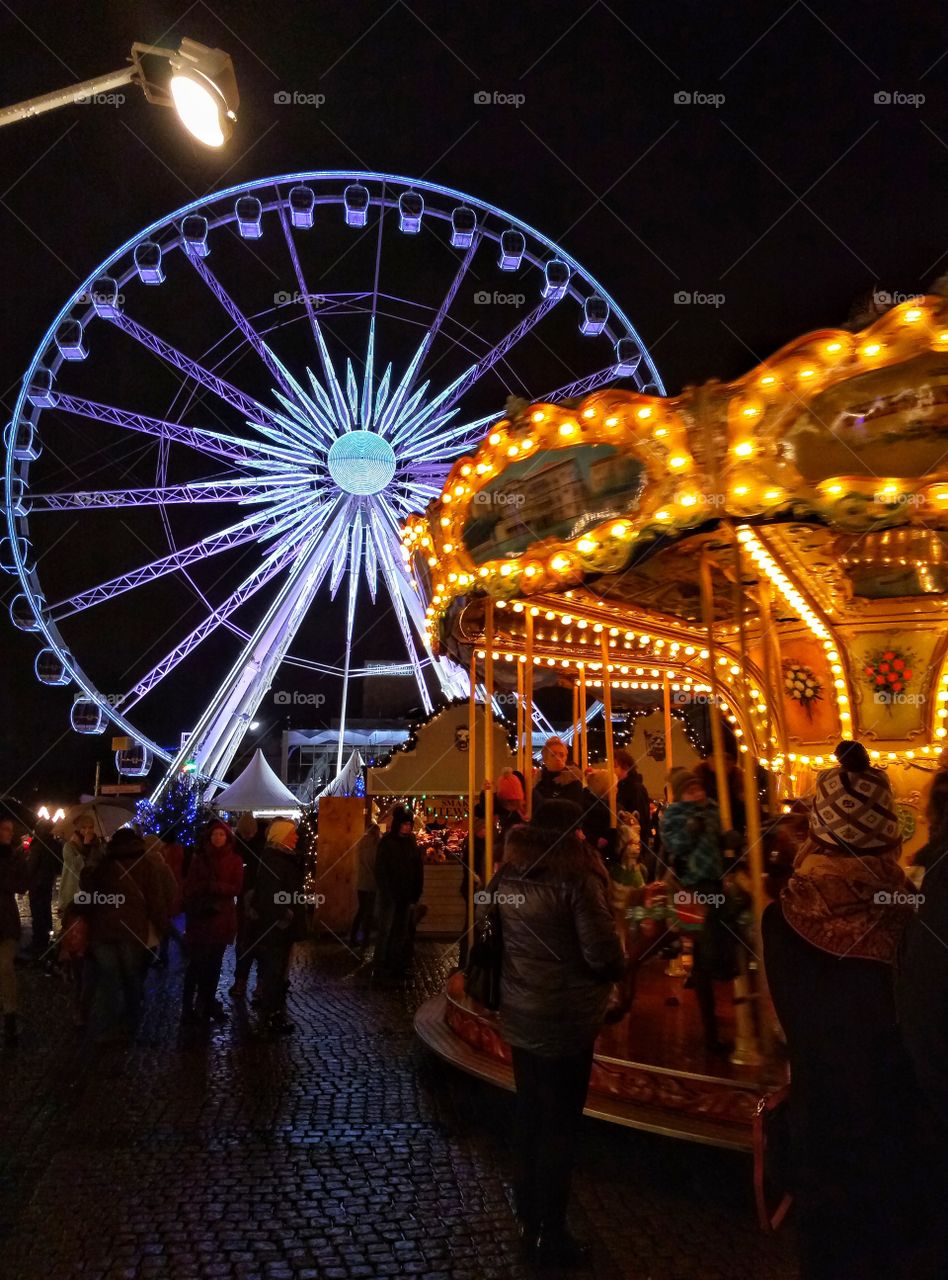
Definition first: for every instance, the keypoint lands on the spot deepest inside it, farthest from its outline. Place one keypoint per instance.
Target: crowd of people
(123, 901)
(855, 951)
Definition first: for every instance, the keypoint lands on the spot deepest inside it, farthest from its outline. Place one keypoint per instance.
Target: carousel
(773, 550)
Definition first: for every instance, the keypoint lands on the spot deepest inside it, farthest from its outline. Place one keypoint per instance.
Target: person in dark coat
(275, 908)
(556, 779)
(251, 840)
(922, 1004)
(632, 797)
(215, 878)
(366, 852)
(561, 954)
(596, 823)
(127, 898)
(400, 877)
(45, 862)
(14, 879)
(830, 945)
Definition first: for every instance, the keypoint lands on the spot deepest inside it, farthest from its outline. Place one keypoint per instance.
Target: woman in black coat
(561, 953)
(400, 877)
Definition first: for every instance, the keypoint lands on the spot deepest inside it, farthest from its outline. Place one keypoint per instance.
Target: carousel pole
(528, 711)
(755, 843)
(584, 742)
(666, 707)
(773, 684)
(717, 732)
(607, 712)
(471, 791)
(574, 753)
(489, 740)
(520, 667)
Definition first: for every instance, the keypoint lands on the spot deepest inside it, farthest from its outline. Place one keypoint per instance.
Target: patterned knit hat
(854, 813)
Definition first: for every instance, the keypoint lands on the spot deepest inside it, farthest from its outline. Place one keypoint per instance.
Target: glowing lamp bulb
(745, 448)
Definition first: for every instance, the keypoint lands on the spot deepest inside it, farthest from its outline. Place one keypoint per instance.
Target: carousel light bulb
(833, 347)
(872, 349)
(612, 422)
(589, 413)
(527, 444)
(567, 428)
(807, 373)
(586, 545)
(745, 448)
(644, 413)
(767, 380)
(678, 461)
(913, 314)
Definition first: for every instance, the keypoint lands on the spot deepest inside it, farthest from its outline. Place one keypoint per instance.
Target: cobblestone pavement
(345, 1151)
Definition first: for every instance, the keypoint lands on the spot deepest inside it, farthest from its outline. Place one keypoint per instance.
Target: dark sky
(811, 171)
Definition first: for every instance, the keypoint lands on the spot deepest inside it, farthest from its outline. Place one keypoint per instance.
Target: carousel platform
(650, 1070)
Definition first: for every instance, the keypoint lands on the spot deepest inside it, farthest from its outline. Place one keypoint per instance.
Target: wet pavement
(344, 1151)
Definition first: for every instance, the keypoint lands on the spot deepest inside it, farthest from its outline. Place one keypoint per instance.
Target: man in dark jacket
(14, 879)
(45, 862)
(561, 954)
(128, 897)
(275, 911)
(632, 797)
(400, 877)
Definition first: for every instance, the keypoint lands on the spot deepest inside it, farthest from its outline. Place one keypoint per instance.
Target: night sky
(780, 160)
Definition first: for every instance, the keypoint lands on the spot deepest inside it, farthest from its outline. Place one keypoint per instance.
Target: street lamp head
(204, 92)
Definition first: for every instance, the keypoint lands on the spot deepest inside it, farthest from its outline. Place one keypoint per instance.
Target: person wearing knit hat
(683, 780)
(276, 909)
(830, 945)
(509, 805)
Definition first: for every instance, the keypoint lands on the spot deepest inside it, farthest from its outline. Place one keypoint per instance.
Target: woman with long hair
(561, 954)
(215, 878)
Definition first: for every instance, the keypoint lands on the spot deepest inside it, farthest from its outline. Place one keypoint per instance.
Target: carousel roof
(815, 488)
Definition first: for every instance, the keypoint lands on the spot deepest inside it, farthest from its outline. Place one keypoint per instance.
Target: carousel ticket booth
(433, 774)
(775, 549)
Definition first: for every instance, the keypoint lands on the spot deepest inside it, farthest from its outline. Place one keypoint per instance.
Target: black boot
(11, 1033)
(558, 1248)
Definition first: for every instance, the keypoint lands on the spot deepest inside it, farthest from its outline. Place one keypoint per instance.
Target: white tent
(257, 789)
(343, 784)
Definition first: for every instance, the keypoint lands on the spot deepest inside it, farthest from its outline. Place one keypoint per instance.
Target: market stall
(433, 772)
(775, 548)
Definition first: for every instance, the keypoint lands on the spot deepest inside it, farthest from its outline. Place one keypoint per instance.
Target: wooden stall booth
(434, 773)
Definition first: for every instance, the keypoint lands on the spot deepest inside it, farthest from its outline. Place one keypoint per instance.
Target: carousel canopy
(258, 787)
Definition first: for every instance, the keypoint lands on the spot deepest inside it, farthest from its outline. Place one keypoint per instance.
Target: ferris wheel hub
(361, 462)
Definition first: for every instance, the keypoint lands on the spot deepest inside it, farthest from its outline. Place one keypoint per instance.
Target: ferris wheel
(231, 415)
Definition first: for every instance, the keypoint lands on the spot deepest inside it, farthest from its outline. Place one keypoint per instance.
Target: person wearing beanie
(509, 806)
(214, 880)
(691, 843)
(556, 779)
(127, 899)
(400, 877)
(275, 910)
(830, 945)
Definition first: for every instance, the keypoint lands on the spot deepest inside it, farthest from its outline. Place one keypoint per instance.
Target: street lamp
(202, 89)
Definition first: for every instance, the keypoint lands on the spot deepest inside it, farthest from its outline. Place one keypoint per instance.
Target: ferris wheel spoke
(275, 367)
(213, 443)
(581, 387)
(248, 491)
(447, 445)
(256, 414)
(273, 564)
(248, 530)
(498, 352)
(214, 739)
(384, 541)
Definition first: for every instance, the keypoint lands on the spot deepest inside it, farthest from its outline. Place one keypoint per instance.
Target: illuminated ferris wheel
(229, 418)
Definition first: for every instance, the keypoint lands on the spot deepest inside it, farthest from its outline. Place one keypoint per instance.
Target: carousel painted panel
(893, 678)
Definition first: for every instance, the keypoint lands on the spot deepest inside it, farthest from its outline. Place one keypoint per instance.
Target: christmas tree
(178, 809)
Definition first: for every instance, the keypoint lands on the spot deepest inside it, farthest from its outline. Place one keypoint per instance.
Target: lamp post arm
(72, 93)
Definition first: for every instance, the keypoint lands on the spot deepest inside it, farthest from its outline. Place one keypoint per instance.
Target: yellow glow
(872, 349)
(912, 315)
(586, 545)
(466, 469)
(448, 548)
(621, 530)
(567, 428)
(527, 444)
(494, 438)
(807, 373)
(512, 451)
(559, 563)
(741, 490)
(589, 413)
(834, 346)
(445, 521)
(835, 488)
(767, 380)
(745, 448)
(612, 422)
(538, 416)
(662, 515)
(678, 462)
(506, 570)
(660, 432)
(644, 413)
(688, 499)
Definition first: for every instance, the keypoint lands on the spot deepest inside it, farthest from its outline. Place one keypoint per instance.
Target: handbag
(772, 1159)
(485, 958)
